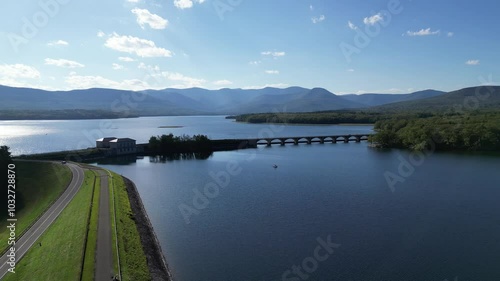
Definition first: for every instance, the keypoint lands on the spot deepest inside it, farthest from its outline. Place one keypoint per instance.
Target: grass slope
(132, 258)
(61, 253)
(90, 250)
(40, 184)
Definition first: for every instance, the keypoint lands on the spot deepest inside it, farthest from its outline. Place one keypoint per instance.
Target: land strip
(31, 236)
(157, 264)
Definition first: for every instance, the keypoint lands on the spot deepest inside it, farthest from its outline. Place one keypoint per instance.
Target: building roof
(106, 139)
(122, 140)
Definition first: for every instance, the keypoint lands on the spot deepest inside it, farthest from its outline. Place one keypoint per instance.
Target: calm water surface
(440, 222)
(27, 137)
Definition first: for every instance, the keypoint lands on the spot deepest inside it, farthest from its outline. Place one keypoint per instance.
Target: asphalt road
(104, 251)
(24, 243)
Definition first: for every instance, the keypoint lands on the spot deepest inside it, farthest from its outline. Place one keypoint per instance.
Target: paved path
(104, 251)
(25, 242)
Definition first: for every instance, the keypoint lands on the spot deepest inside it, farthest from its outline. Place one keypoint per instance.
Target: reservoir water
(327, 212)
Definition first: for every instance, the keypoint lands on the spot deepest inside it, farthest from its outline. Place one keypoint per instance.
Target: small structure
(104, 142)
(123, 146)
(117, 146)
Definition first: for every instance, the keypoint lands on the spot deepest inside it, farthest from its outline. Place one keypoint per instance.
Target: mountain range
(196, 100)
(467, 99)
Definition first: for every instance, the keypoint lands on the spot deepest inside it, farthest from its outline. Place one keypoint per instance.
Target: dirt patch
(157, 264)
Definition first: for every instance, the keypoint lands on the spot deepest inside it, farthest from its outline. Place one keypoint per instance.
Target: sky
(344, 46)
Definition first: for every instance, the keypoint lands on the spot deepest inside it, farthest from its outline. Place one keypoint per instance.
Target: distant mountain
(193, 101)
(482, 97)
(295, 100)
(223, 101)
(368, 100)
(175, 101)
(90, 99)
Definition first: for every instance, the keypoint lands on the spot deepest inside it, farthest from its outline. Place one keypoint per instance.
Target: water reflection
(125, 160)
(119, 160)
(180, 156)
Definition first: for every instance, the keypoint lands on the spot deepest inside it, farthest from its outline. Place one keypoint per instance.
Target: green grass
(132, 258)
(61, 253)
(39, 184)
(90, 250)
(113, 225)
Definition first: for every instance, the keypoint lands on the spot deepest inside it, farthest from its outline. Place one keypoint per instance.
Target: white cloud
(272, 72)
(85, 82)
(116, 66)
(255, 62)
(274, 54)
(161, 77)
(277, 85)
(144, 17)
(472, 62)
(133, 45)
(318, 19)
(133, 1)
(58, 43)
(350, 70)
(373, 19)
(186, 4)
(422, 32)
(386, 91)
(187, 82)
(19, 75)
(19, 71)
(352, 25)
(450, 34)
(311, 7)
(150, 68)
(63, 63)
(126, 59)
(222, 82)
(100, 34)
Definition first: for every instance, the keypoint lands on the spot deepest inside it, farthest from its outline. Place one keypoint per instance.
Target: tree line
(177, 144)
(63, 114)
(323, 118)
(474, 131)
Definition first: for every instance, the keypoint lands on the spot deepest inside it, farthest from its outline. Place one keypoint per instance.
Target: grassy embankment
(62, 246)
(93, 219)
(133, 262)
(73, 236)
(39, 185)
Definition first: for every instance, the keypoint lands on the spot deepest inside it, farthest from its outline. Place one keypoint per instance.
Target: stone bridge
(309, 139)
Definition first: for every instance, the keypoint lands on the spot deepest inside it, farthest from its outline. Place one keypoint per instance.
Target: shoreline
(306, 124)
(157, 264)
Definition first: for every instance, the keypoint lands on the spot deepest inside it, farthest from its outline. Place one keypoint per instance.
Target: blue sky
(345, 46)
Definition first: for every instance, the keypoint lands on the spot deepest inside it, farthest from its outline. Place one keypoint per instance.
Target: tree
(5, 160)
(5, 156)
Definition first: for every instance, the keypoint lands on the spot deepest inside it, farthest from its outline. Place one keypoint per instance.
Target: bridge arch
(318, 139)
